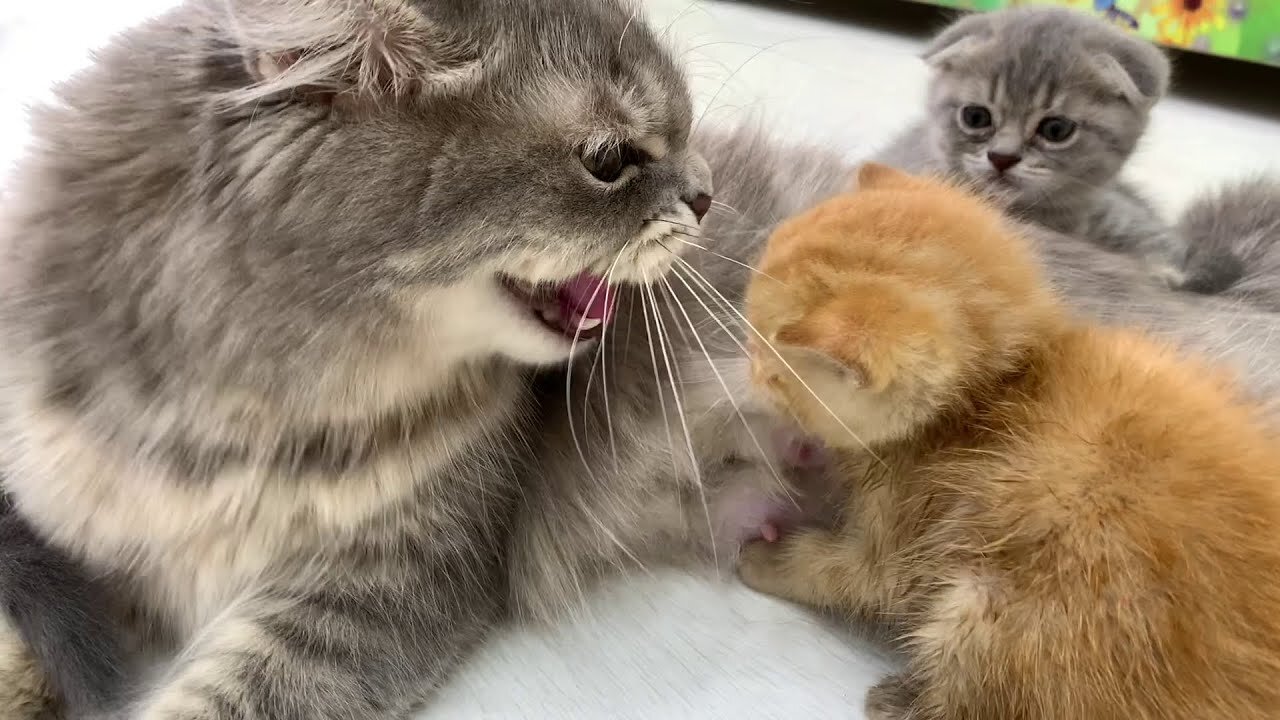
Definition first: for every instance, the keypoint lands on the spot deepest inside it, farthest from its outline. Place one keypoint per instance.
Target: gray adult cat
(276, 276)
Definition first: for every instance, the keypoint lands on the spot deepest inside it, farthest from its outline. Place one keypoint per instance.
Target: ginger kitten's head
(891, 304)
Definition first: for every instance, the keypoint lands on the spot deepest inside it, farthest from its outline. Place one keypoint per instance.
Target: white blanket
(673, 645)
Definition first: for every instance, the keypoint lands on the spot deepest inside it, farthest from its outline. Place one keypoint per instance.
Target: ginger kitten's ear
(874, 175)
(372, 49)
(814, 346)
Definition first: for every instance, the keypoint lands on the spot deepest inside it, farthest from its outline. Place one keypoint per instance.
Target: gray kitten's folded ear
(372, 49)
(1134, 69)
(960, 42)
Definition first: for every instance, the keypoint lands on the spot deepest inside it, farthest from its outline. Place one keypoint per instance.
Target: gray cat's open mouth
(577, 308)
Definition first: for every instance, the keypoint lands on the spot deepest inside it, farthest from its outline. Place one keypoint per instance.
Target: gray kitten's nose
(1002, 162)
(700, 204)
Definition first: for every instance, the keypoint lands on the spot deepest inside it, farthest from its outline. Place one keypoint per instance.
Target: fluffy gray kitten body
(1041, 108)
(644, 457)
(276, 277)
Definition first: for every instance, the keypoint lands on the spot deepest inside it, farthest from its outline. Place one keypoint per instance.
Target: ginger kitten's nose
(1002, 162)
(700, 204)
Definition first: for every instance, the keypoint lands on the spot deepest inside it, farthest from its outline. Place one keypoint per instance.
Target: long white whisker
(735, 261)
(568, 380)
(657, 383)
(604, 377)
(725, 206)
(747, 324)
(684, 423)
(720, 378)
(577, 443)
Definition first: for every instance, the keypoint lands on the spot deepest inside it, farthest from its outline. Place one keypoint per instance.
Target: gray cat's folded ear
(369, 49)
(1135, 70)
(960, 42)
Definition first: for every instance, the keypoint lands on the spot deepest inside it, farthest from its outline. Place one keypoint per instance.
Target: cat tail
(1233, 239)
(57, 644)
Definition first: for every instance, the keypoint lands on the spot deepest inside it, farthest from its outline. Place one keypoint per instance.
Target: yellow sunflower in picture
(1181, 21)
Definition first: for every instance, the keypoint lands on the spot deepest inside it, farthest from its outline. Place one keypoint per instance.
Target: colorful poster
(1241, 29)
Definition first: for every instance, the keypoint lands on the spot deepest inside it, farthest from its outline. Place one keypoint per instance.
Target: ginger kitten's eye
(1056, 129)
(608, 163)
(975, 117)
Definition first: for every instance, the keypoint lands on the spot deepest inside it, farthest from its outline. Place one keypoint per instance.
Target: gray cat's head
(519, 152)
(348, 197)
(1037, 105)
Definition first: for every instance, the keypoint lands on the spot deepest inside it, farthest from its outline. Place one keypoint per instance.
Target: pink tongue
(587, 297)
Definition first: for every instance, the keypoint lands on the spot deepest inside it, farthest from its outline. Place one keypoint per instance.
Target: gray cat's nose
(1002, 162)
(700, 205)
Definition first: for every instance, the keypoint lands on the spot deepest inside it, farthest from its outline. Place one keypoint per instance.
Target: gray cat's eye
(1056, 129)
(607, 164)
(975, 117)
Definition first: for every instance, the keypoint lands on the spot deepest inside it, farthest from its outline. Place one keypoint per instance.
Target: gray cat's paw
(24, 693)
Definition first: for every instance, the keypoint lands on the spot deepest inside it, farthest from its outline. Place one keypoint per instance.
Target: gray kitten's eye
(607, 164)
(1056, 129)
(975, 117)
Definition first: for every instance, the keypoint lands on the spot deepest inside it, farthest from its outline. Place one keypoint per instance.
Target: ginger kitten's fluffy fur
(1068, 521)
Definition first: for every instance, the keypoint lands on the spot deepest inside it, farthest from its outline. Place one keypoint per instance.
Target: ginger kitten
(1066, 521)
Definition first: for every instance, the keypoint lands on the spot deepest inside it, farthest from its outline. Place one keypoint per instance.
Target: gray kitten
(656, 451)
(276, 277)
(1041, 108)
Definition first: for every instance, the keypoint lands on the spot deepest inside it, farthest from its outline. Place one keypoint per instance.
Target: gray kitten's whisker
(672, 373)
(747, 323)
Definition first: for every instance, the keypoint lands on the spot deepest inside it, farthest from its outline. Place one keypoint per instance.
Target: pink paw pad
(769, 532)
(799, 451)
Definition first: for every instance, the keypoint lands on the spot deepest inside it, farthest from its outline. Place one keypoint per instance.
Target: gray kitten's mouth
(580, 307)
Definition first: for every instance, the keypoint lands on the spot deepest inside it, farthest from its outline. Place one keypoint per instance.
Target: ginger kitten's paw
(893, 698)
(759, 565)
